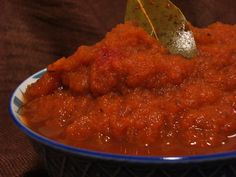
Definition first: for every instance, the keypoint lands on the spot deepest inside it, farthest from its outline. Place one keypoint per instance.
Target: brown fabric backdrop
(34, 33)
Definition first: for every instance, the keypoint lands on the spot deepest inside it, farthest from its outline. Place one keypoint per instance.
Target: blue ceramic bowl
(67, 161)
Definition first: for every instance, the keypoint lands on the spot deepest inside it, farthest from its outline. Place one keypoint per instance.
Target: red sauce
(128, 95)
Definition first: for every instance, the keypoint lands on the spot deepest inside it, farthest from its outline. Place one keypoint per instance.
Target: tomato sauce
(127, 94)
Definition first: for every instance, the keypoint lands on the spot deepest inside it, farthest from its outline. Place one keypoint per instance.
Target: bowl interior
(17, 101)
(17, 97)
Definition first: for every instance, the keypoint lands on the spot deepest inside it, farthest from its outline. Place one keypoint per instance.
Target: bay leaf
(164, 21)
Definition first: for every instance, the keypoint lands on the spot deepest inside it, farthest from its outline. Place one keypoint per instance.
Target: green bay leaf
(164, 21)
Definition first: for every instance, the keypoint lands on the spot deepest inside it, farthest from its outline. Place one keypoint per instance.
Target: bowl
(62, 160)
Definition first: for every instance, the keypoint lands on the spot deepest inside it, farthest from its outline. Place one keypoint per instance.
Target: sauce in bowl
(127, 94)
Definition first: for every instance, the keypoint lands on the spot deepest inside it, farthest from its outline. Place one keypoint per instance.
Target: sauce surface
(127, 94)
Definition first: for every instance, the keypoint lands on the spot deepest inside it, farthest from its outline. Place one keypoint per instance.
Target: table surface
(36, 33)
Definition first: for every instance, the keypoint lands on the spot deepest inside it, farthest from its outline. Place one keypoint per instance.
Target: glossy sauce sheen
(128, 95)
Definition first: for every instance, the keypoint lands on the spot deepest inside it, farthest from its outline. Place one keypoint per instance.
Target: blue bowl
(66, 161)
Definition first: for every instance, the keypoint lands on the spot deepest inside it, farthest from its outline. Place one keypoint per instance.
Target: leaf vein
(146, 15)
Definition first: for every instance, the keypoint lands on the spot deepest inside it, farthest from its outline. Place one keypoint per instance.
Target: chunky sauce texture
(127, 94)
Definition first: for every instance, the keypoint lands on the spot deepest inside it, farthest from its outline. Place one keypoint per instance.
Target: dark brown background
(34, 33)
